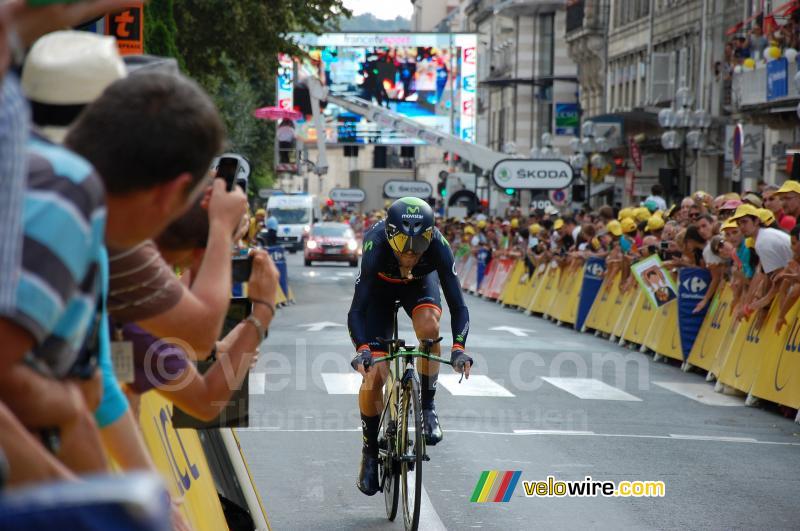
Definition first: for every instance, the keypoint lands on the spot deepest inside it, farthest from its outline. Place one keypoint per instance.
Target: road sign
(559, 197)
(532, 174)
(398, 189)
(348, 195)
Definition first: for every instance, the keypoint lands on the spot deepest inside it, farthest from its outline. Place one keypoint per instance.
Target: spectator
(757, 42)
(774, 251)
(657, 196)
(789, 194)
(166, 367)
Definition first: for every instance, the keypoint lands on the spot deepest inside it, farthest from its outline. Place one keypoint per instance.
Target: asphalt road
(544, 400)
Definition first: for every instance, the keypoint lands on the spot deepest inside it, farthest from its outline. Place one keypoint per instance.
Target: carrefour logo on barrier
(695, 285)
(595, 269)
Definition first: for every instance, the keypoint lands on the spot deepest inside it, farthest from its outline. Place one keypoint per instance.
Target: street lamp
(591, 149)
(686, 128)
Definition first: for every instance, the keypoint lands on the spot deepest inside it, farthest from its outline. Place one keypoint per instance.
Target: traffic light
(510, 191)
(442, 186)
(329, 202)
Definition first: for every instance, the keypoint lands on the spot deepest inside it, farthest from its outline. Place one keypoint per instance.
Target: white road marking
(701, 392)
(712, 438)
(342, 384)
(553, 432)
(476, 385)
(524, 433)
(256, 383)
(428, 517)
(519, 332)
(320, 326)
(590, 389)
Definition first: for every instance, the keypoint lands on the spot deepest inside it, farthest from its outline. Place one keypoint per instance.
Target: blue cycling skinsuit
(379, 284)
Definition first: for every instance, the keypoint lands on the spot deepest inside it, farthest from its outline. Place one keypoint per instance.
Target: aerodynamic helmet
(409, 225)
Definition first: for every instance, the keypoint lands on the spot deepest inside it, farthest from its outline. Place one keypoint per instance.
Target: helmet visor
(402, 243)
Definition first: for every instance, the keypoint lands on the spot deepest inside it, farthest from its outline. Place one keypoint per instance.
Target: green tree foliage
(231, 49)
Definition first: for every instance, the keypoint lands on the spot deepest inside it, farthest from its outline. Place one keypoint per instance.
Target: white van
(295, 214)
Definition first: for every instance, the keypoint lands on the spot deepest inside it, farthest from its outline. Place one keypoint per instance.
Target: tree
(231, 49)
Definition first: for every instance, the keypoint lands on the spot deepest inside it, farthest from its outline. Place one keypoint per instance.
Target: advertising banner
(693, 283)
(593, 274)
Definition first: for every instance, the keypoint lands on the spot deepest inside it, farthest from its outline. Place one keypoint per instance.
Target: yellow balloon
(773, 52)
(749, 63)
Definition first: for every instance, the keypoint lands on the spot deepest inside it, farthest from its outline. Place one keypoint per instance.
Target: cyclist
(405, 258)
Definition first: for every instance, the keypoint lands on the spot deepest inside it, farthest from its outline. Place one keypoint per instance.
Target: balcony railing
(575, 12)
(771, 83)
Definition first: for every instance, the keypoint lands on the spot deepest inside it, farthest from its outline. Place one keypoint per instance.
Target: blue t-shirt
(625, 244)
(743, 252)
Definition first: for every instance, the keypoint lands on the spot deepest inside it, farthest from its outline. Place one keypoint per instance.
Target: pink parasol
(276, 113)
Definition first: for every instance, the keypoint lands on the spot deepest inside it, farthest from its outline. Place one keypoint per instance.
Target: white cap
(70, 68)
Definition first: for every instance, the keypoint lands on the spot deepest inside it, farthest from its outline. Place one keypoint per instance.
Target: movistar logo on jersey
(368, 246)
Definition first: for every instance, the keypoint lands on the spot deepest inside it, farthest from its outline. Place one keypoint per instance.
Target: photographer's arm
(197, 318)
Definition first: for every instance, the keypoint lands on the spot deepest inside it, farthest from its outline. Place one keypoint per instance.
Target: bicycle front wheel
(411, 451)
(390, 478)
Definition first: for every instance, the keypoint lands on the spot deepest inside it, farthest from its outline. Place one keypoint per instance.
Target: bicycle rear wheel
(390, 478)
(411, 452)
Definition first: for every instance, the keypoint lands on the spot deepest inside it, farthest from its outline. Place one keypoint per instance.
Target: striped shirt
(14, 120)
(64, 217)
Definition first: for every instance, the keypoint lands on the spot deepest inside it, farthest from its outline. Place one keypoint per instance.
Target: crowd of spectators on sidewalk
(750, 240)
(116, 243)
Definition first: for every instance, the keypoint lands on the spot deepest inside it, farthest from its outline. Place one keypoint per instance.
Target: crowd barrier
(749, 355)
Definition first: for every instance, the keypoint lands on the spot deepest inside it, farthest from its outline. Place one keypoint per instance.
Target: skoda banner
(593, 273)
(348, 195)
(532, 174)
(398, 189)
(693, 283)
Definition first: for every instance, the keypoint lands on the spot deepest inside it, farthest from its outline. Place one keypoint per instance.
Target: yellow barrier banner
(568, 295)
(601, 303)
(757, 343)
(778, 378)
(624, 316)
(641, 319)
(713, 331)
(663, 337)
(575, 297)
(543, 297)
(612, 309)
(179, 457)
(512, 284)
(528, 291)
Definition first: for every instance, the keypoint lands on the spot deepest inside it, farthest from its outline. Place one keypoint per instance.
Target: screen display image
(429, 78)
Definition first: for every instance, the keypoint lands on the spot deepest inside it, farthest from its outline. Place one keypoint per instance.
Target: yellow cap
(729, 224)
(261, 212)
(626, 212)
(750, 242)
(595, 244)
(482, 224)
(558, 224)
(789, 186)
(614, 227)
(515, 223)
(654, 223)
(628, 225)
(469, 230)
(641, 214)
(766, 216)
(743, 210)
(534, 228)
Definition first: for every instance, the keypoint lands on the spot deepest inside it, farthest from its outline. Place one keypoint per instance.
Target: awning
(783, 11)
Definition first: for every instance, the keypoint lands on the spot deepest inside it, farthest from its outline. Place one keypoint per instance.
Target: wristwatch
(253, 320)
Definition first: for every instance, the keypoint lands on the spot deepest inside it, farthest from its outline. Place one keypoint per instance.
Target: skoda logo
(504, 175)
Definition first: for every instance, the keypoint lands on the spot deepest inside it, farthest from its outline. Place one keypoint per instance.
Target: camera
(233, 169)
(241, 267)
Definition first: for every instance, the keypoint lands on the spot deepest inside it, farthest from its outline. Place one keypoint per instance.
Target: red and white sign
(469, 55)
(636, 153)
